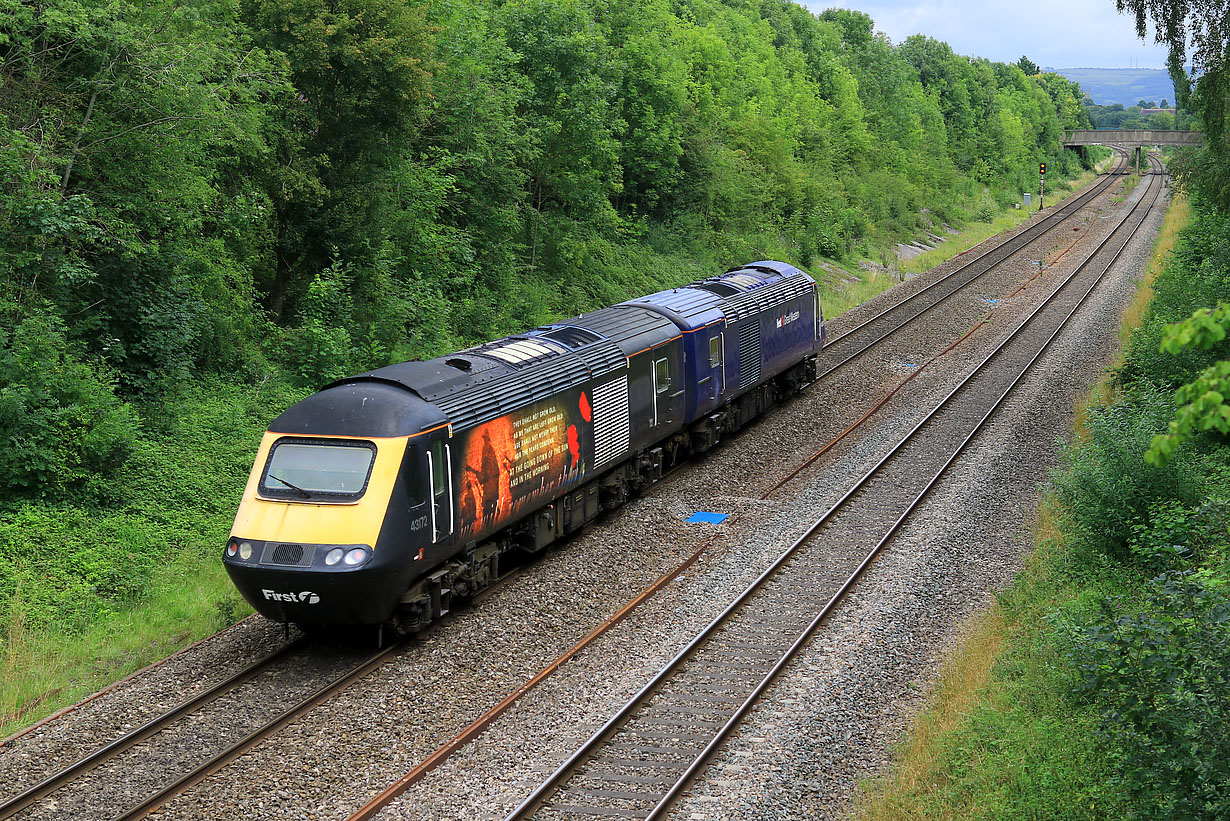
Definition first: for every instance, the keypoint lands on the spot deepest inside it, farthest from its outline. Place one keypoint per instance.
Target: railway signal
(1041, 185)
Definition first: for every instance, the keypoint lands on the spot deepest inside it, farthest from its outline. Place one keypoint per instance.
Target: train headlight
(245, 550)
(356, 556)
(334, 556)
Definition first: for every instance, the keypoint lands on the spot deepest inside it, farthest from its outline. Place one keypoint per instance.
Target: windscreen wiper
(306, 494)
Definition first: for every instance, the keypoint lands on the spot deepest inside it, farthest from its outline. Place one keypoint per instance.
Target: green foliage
(1202, 402)
(69, 563)
(1153, 663)
(61, 426)
(1107, 485)
(198, 162)
(113, 211)
(1175, 537)
(1159, 667)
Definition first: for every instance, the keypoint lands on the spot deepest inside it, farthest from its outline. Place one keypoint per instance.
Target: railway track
(840, 351)
(30, 798)
(261, 676)
(13, 805)
(471, 732)
(329, 684)
(372, 808)
(646, 755)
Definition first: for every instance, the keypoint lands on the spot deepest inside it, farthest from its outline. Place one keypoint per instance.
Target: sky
(1052, 33)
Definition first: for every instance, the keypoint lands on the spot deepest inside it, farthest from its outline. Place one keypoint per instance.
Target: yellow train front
(336, 516)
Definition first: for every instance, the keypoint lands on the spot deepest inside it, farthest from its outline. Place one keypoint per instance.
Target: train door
(440, 481)
(717, 364)
(660, 373)
(667, 402)
(819, 317)
(663, 396)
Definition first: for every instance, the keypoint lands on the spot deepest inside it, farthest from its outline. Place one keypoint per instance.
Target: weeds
(1111, 693)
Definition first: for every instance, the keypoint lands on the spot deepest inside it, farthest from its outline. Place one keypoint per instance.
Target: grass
(189, 599)
(1001, 737)
(978, 232)
(93, 589)
(839, 296)
(1177, 216)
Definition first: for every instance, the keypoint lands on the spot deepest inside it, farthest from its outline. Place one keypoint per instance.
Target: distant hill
(1128, 86)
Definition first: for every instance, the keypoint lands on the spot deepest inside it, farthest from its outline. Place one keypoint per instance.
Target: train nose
(313, 584)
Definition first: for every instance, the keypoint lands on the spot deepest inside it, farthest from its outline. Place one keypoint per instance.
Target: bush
(1175, 537)
(61, 425)
(1108, 487)
(1161, 674)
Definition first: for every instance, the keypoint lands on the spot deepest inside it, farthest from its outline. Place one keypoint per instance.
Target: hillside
(1126, 86)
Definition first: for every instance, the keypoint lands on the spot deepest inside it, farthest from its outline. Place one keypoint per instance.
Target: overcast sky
(1052, 33)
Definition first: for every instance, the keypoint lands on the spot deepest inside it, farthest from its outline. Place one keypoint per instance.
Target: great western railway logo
(306, 597)
(786, 319)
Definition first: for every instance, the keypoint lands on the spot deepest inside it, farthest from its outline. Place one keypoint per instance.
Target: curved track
(875, 324)
(644, 757)
(843, 349)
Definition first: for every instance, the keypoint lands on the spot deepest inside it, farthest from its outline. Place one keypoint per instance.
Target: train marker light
(356, 556)
(232, 549)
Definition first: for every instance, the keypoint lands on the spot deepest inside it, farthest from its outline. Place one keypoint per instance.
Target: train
(386, 495)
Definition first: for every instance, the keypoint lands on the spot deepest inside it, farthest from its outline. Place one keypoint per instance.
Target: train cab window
(438, 484)
(414, 475)
(322, 470)
(715, 351)
(661, 375)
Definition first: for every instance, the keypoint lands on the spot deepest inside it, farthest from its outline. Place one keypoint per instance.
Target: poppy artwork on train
(512, 462)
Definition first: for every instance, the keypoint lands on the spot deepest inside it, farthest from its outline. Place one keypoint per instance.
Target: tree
(1028, 66)
(359, 73)
(118, 121)
(1205, 26)
(1204, 403)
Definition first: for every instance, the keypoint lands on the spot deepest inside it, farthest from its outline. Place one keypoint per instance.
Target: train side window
(416, 479)
(438, 483)
(662, 374)
(715, 351)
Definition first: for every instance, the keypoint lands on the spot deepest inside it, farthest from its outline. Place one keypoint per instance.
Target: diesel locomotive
(378, 499)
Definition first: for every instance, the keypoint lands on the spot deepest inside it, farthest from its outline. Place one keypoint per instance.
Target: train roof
(480, 383)
(360, 409)
(688, 308)
(471, 386)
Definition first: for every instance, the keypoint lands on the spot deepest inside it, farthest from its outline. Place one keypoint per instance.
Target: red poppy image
(574, 445)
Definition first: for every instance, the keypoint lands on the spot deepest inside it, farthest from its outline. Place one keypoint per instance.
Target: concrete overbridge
(1132, 137)
(1136, 139)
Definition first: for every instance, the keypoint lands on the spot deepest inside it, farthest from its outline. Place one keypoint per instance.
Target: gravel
(827, 723)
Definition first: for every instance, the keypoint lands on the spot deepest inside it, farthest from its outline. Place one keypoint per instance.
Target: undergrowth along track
(9, 809)
(645, 756)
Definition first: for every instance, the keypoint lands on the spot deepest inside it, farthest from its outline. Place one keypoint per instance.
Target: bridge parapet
(1133, 137)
